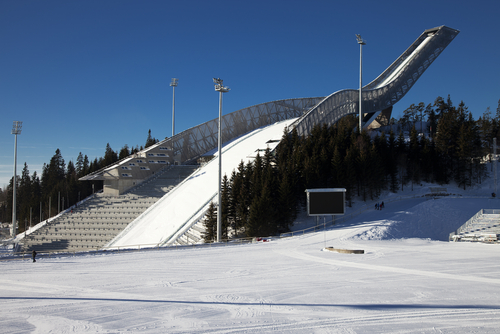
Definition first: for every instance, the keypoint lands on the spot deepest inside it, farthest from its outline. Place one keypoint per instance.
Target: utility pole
(173, 84)
(221, 89)
(495, 162)
(16, 130)
(361, 42)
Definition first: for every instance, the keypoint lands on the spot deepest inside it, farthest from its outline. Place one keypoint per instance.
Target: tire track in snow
(371, 323)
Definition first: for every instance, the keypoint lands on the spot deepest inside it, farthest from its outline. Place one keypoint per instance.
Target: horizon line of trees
(58, 187)
(263, 197)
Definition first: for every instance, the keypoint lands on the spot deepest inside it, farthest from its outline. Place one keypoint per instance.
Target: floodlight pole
(495, 160)
(361, 42)
(173, 84)
(221, 89)
(16, 130)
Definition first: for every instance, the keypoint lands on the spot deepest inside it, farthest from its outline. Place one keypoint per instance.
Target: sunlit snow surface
(408, 280)
(291, 285)
(161, 222)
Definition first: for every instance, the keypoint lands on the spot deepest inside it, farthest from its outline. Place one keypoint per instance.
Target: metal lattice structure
(387, 89)
(201, 139)
(378, 97)
(192, 143)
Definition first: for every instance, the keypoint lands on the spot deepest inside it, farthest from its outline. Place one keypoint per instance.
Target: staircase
(193, 236)
(98, 220)
(484, 226)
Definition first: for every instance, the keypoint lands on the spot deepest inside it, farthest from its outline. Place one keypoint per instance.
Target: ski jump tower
(378, 98)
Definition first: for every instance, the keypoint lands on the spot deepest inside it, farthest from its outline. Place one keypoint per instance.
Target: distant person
(33, 255)
(381, 205)
(376, 206)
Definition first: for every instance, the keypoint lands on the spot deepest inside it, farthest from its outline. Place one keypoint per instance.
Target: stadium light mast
(173, 84)
(495, 161)
(16, 130)
(361, 42)
(219, 87)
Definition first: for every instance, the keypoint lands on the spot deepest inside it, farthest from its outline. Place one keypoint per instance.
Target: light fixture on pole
(173, 84)
(16, 130)
(361, 42)
(219, 87)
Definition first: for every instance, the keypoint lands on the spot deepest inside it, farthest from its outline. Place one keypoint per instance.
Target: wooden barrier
(345, 251)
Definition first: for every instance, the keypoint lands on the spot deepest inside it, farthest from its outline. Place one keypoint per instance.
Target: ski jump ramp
(387, 89)
(172, 215)
(184, 205)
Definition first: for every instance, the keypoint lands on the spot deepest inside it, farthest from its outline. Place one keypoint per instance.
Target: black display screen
(326, 203)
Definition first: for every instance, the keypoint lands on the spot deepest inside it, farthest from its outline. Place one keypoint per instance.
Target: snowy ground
(404, 283)
(410, 279)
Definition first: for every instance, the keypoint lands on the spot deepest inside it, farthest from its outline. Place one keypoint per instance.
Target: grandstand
(100, 218)
(484, 226)
(142, 193)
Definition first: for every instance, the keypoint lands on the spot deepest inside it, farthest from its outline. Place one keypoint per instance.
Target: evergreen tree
(427, 160)
(72, 186)
(392, 167)
(86, 165)
(413, 166)
(349, 181)
(497, 114)
(79, 167)
(3, 206)
(376, 168)
(150, 140)
(410, 117)
(225, 202)
(261, 217)
(440, 107)
(53, 181)
(231, 210)
(9, 198)
(402, 159)
(210, 224)
(286, 206)
(110, 156)
(238, 208)
(124, 152)
(36, 198)
(431, 119)
(24, 198)
(337, 168)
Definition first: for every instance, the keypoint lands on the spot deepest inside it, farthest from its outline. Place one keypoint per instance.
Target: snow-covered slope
(292, 285)
(430, 219)
(177, 209)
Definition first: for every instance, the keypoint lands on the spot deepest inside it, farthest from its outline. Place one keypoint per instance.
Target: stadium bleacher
(484, 226)
(99, 219)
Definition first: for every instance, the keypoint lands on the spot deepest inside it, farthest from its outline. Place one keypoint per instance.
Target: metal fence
(228, 242)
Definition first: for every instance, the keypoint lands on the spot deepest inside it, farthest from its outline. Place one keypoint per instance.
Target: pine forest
(438, 143)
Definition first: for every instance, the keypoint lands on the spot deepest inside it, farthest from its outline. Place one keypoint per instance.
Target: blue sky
(81, 74)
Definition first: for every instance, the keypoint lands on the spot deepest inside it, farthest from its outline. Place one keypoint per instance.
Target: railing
(466, 225)
(491, 211)
(147, 180)
(200, 213)
(473, 220)
(226, 242)
(128, 248)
